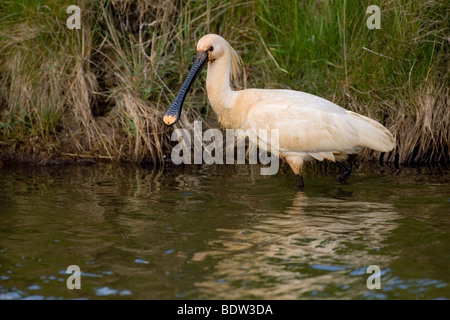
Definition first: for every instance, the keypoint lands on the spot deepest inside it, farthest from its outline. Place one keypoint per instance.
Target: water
(223, 232)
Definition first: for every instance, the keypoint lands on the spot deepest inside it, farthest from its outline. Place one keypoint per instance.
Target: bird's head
(209, 48)
(214, 45)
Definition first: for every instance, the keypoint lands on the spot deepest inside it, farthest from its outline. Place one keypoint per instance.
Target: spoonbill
(310, 127)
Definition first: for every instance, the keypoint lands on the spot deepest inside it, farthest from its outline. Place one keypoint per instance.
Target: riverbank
(98, 93)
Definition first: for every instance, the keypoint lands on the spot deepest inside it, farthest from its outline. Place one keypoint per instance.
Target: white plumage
(309, 127)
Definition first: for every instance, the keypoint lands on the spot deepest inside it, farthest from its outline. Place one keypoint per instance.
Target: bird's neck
(218, 88)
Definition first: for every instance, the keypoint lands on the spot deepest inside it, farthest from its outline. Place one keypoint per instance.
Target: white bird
(309, 127)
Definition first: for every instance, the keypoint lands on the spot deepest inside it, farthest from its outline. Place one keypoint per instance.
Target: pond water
(223, 232)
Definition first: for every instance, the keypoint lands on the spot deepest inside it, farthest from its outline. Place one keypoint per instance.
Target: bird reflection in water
(314, 245)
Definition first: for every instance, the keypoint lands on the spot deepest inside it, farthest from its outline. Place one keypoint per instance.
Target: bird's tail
(372, 134)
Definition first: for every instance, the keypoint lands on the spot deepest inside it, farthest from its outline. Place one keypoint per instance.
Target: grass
(99, 92)
(397, 75)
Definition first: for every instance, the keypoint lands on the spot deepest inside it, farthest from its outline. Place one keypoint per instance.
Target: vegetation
(99, 92)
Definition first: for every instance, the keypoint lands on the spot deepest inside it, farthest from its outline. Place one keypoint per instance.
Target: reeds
(99, 92)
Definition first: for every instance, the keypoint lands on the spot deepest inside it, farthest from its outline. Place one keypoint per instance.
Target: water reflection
(311, 247)
(223, 232)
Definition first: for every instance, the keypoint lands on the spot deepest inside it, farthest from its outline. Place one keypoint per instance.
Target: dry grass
(107, 84)
(425, 135)
(99, 92)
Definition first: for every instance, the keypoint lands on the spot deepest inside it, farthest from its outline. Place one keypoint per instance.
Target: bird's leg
(296, 165)
(346, 170)
(300, 183)
(299, 177)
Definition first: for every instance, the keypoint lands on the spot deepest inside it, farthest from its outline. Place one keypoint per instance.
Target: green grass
(391, 74)
(308, 39)
(100, 91)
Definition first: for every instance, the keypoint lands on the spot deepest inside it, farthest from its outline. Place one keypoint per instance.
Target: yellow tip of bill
(169, 120)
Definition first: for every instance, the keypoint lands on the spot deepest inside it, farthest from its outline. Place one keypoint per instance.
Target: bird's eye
(211, 48)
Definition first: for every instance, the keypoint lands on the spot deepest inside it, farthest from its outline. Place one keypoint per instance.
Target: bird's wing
(305, 123)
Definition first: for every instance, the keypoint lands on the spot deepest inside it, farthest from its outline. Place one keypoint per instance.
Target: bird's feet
(346, 170)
